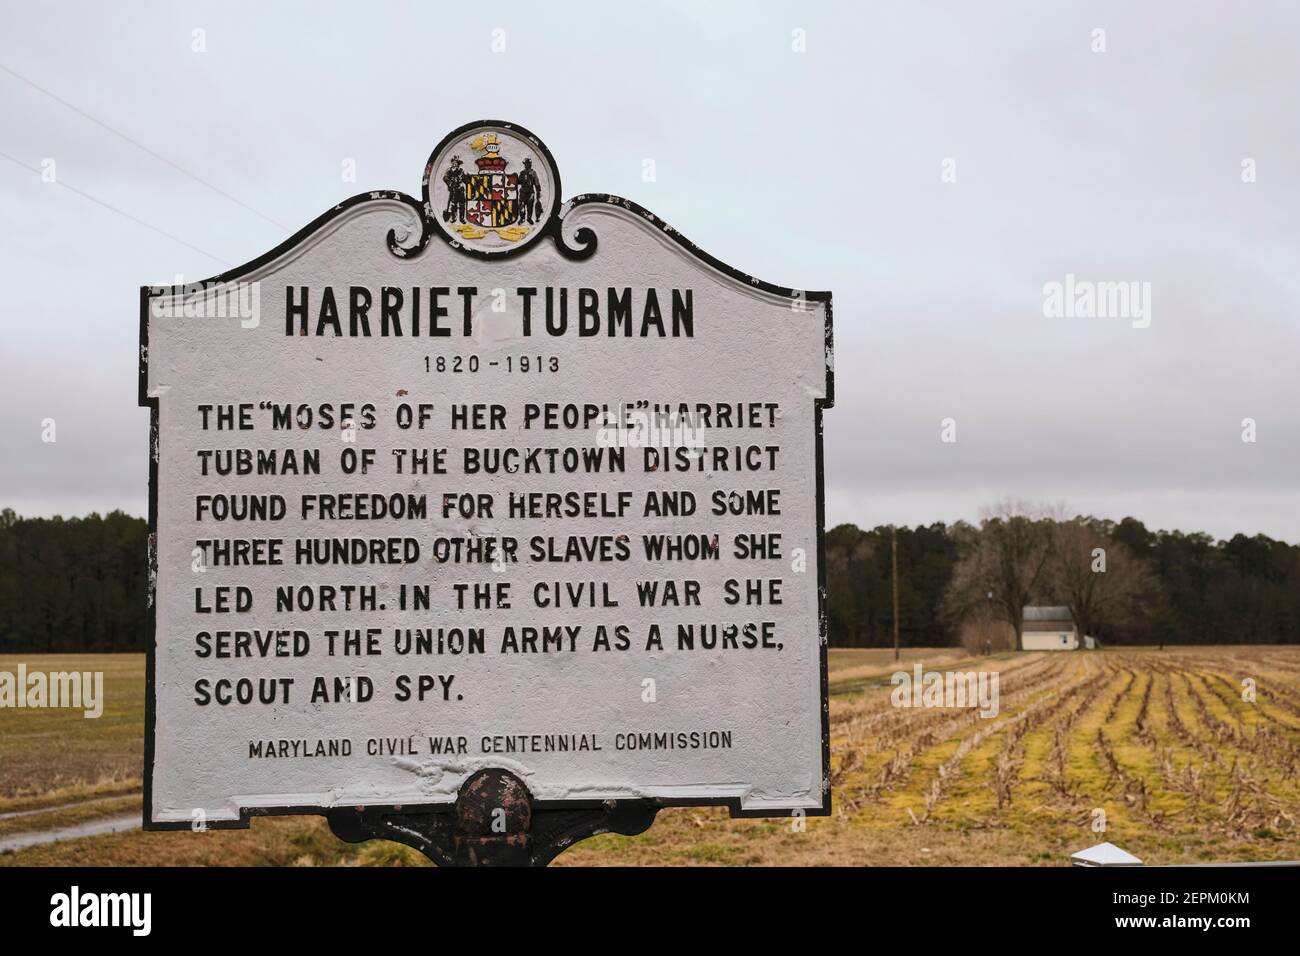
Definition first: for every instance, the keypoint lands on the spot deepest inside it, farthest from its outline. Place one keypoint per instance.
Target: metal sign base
(492, 823)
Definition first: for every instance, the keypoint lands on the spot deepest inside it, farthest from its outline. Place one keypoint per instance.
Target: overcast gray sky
(967, 154)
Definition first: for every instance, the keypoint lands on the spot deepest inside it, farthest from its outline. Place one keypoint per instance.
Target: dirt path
(15, 814)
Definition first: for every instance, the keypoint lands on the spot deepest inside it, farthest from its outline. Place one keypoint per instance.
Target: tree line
(1123, 583)
(71, 585)
(78, 584)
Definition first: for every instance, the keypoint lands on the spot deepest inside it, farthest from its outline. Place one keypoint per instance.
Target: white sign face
(485, 481)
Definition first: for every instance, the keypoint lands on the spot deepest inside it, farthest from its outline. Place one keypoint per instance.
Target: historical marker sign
(484, 481)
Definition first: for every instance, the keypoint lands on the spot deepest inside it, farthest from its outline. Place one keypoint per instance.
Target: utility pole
(893, 532)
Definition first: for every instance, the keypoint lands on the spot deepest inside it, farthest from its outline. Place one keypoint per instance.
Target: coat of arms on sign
(492, 189)
(500, 195)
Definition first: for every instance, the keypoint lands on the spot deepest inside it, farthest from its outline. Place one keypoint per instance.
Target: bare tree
(983, 631)
(1005, 564)
(1096, 576)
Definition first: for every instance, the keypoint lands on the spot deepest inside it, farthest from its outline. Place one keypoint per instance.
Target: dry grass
(855, 669)
(57, 755)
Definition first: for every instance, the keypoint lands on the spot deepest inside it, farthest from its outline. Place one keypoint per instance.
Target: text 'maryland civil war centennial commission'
(484, 480)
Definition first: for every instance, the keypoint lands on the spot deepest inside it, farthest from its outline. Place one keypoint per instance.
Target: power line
(893, 547)
(120, 212)
(138, 145)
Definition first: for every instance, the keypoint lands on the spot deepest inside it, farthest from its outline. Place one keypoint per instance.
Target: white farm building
(1051, 629)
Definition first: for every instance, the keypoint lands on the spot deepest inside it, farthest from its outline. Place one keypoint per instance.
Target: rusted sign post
(485, 522)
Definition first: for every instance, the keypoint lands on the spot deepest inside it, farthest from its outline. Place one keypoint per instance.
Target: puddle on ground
(20, 841)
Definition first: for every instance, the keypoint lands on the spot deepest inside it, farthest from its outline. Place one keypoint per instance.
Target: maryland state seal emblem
(491, 188)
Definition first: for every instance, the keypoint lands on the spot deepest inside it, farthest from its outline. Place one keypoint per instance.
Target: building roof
(1048, 614)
